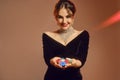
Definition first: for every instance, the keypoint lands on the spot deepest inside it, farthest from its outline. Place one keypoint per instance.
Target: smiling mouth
(64, 25)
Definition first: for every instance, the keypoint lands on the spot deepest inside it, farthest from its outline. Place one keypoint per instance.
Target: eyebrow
(69, 15)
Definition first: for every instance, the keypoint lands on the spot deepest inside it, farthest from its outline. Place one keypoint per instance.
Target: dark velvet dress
(77, 48)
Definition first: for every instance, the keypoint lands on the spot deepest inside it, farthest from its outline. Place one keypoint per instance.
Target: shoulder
(45, 34)
(48, 34)
(45, 37)
(85, 35)
(84, 32)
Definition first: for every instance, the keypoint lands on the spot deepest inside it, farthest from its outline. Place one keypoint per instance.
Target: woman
(65, 50)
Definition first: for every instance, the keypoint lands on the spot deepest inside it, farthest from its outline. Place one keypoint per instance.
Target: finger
(57, 65)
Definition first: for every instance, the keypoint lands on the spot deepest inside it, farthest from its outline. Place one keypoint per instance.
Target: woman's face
(64, 19)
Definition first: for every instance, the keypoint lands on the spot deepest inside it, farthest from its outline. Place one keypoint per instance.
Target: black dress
(77, 48)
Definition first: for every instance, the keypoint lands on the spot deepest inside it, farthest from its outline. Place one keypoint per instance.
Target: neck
(66, 33)
(69, 30)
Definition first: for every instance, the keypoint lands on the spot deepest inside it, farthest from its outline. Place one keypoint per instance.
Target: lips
(64, 25)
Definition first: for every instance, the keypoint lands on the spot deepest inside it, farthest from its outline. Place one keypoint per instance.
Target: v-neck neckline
(58, 39)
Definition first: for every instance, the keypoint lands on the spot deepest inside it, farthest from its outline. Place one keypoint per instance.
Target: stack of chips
(64, 61)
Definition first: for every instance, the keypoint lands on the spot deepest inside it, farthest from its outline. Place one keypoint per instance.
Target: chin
(65, 28)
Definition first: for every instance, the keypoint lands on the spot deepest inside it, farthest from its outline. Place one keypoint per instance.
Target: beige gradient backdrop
(22, 23)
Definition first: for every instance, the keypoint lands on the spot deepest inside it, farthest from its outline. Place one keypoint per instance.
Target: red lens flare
(113, 19)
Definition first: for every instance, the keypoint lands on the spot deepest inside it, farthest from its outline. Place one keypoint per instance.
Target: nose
(64, 20)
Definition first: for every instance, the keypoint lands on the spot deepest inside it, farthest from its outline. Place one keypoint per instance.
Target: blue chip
(62, 63)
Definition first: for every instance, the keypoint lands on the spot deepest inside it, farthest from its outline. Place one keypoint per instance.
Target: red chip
(66, 60)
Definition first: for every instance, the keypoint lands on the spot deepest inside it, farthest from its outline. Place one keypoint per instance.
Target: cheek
(59, 21)
(70, 20)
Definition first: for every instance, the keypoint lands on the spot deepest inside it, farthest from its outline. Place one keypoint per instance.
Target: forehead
(63, 12)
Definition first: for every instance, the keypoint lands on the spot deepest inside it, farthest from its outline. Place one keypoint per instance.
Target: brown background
(22, 23)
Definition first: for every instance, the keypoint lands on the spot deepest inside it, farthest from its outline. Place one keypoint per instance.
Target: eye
(59, 16)
(68, 16)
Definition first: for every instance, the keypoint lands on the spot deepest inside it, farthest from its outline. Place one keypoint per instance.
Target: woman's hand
(73, 63)
(54, 62)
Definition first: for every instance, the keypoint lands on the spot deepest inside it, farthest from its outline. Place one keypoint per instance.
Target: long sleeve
(47, 51)
(82, 49)
(77, 48)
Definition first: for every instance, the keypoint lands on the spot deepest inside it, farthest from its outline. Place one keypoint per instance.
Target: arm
(79, 59)
(83, 49)
(48, 52)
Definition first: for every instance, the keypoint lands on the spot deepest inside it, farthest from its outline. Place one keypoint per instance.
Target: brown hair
(66, 4)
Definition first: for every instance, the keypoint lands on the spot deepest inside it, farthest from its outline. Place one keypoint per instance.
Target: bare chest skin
(64, 37)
